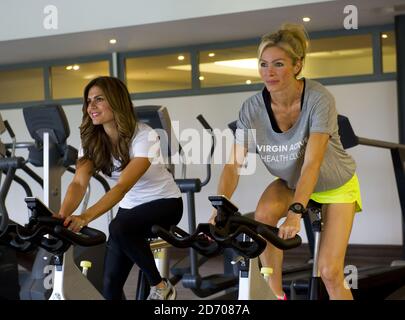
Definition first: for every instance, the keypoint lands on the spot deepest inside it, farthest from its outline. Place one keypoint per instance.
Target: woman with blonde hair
(296, 135)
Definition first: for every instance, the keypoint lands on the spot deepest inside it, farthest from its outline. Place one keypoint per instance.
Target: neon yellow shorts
(348, 193)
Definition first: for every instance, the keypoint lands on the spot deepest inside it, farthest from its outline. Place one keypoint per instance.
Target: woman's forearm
(73, 197)
(106, 203)
(306, 184)
(314, 154)
(228, 181)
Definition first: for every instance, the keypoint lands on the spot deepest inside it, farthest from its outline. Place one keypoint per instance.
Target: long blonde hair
(97, 146)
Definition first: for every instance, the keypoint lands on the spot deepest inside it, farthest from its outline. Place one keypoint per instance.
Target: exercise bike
(45, 231)
(49, 128)
(245, 236)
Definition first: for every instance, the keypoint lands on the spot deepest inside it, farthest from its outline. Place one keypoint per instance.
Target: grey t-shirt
(283, 153)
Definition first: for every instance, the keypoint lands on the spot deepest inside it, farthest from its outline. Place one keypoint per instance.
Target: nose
(90, 104)
(268, 71)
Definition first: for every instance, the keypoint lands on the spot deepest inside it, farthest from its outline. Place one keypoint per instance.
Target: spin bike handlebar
(87, 236)
(210, 240)
(198, 240)
(43, 222)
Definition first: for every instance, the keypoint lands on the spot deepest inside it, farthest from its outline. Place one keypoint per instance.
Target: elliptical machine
(187, 269)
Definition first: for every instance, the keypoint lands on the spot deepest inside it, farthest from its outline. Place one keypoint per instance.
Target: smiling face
(277, 70)
(98, 108)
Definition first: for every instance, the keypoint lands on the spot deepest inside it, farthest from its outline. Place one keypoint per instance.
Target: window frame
(46, 68)
(117, 67)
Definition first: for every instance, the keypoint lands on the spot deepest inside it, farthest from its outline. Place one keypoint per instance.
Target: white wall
(24, 18)
(371, 107)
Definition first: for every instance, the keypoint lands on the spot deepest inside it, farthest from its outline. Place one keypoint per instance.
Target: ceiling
(239, 26)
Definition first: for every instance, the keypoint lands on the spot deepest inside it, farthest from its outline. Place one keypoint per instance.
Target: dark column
(400, 44)
(396, 156)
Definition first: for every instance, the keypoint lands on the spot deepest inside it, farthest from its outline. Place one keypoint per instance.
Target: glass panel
(229, 67)
(339, 56)
(21, 85)
(389, 54)
(158, 73)
(68, 81)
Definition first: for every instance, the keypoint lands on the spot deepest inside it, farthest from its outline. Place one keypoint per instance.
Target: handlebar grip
(271, 235)
(269, 232)
(86, 238)
(11, 162)
(167, 236)
(196, 241)
(204, 122)
(9, 129)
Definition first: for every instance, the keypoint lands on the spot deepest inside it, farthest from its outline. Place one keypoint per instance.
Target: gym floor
(357, 255)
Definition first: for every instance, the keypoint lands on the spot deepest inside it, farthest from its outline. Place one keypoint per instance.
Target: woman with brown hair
(127, 151)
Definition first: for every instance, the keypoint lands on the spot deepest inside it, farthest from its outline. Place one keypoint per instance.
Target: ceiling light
(180, 58)
(76, 67)
(211, 54)
(201, 78)
(248, 81)
(113, 41)
(69, 67)
(384, 36)
(306, 19)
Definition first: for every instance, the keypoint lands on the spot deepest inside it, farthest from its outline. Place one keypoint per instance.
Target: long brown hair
(96, 145)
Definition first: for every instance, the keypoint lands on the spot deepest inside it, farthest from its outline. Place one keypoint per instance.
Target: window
(228, 67)
(21, 85)
(158, 73)
(389, 57)
(68, 81)
(339, 56)
(334, 57)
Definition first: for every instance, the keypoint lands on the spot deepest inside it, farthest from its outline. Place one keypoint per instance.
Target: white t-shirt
(157, 182)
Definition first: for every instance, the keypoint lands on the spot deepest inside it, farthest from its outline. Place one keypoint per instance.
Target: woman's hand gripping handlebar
(43, 221)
